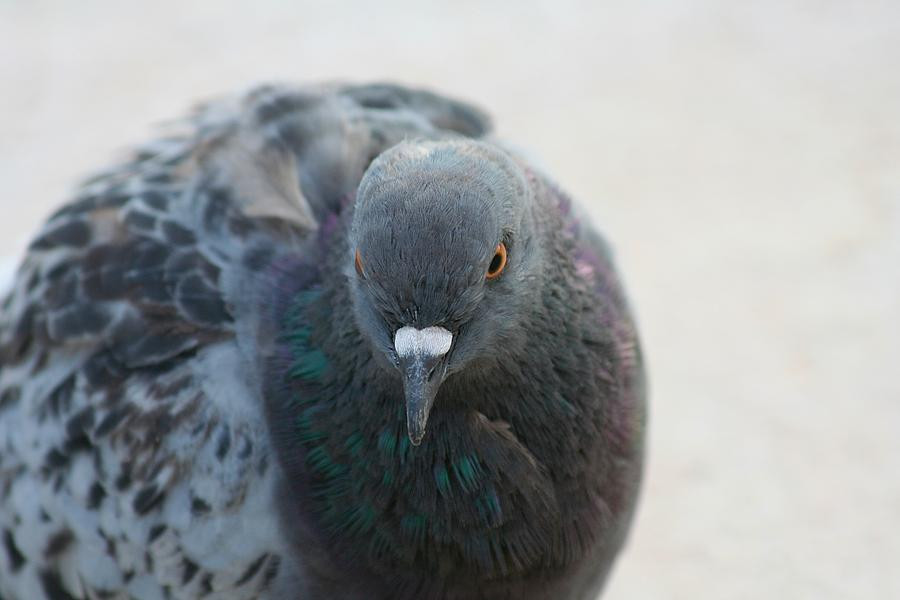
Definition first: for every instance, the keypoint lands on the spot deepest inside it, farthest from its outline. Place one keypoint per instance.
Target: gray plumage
(200, 394)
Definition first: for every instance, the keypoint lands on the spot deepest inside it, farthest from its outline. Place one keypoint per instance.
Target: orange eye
(498, 263)
(357, 261)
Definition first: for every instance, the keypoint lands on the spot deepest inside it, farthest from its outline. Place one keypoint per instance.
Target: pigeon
(318, 341)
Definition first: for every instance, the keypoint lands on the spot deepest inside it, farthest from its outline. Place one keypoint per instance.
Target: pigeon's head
(442, 260)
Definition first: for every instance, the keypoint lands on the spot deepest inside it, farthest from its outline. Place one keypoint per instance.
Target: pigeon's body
(195, 401)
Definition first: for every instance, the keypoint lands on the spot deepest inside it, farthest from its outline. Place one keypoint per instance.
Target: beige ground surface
(744, 158)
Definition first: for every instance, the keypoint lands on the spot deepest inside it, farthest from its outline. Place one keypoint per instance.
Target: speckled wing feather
(134, 458)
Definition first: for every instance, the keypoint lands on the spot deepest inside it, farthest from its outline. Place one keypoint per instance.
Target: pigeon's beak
(421, 353)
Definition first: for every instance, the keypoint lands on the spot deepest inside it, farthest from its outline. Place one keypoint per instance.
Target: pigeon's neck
(494, 492)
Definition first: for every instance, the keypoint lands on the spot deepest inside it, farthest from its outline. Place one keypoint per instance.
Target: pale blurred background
(743, 157)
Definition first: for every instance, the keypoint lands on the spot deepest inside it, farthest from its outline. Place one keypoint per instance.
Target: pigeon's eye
(357, 262)
(498, 263)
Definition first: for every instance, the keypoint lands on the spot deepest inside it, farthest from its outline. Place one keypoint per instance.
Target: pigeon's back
(135, 461)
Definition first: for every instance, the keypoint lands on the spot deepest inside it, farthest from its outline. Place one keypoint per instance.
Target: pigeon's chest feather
(477, 501)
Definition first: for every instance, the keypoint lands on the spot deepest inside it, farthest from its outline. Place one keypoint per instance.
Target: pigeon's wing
(134, 456)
